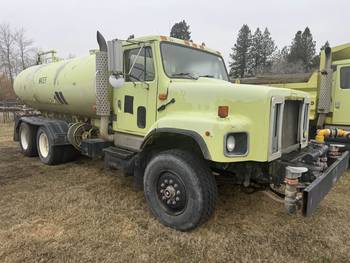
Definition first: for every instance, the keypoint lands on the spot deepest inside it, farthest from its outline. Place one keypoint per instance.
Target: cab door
(135, 102)
(341, 100)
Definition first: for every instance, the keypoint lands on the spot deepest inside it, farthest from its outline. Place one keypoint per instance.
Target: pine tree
(303, 49)
(296, 49)
(255, 52)
(309, 48)
(181, 31)
(280, 64)
(261, 52)
(268, 49)
(239, 56)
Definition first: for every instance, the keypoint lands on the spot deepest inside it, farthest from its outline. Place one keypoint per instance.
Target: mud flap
(318, 189)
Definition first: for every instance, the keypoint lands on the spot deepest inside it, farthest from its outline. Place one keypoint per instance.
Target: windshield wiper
(181, 74)
(206, 76)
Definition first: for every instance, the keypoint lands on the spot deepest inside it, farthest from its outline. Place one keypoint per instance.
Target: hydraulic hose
(332, 133)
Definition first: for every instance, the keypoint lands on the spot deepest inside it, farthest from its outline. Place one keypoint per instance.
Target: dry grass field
(79, 212)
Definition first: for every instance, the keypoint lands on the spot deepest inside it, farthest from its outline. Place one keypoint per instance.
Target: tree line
(252, 53)
(256, 53)
(16, 51)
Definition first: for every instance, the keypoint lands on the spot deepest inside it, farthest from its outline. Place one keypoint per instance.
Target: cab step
(119, 158)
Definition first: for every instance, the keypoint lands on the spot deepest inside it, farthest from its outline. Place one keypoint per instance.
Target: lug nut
(170, 181)
(178, 192)
(162, 185)
(174, 202)
(166, 181)
(161, 191)
(177, 198)
(175, 185)
(168, 202)
(163, 198)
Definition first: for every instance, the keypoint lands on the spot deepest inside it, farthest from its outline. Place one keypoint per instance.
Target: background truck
(164, 111)
(328, 87)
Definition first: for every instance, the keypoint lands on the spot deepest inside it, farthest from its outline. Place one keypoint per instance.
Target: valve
(292, 180)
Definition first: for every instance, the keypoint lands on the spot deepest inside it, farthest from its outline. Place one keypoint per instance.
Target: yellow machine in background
(328, 87)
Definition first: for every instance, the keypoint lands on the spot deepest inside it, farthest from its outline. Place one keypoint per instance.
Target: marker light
(223, 111)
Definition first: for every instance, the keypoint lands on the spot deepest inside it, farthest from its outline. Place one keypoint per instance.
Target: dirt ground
(79, 212)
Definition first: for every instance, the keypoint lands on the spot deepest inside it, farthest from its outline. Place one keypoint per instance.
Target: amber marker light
(223, 111)
(163, 96)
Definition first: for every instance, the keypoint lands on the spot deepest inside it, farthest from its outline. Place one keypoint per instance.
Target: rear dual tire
(36, 141)
(27, 139)
(51, 154)
(48, 153)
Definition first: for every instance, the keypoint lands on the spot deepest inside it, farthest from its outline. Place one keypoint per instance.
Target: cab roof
(187, 43)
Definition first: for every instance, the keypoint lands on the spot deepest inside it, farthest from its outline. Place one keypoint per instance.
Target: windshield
(186, 62)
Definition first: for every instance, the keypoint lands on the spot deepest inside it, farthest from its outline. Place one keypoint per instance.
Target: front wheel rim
(171, 193)
(43, 145)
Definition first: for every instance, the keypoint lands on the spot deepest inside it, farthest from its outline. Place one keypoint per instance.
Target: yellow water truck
(164, 111)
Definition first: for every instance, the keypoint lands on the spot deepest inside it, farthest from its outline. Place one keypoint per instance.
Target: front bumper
(318, 189)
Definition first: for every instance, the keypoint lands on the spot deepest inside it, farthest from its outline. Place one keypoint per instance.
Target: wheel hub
(171, 192)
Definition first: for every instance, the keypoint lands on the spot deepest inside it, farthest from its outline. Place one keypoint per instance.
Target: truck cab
(341, 93)
(179, 86)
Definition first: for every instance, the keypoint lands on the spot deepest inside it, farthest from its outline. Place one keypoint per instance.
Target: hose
(333, 132)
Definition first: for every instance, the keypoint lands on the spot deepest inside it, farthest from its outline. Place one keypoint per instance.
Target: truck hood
(208, 91)
(195, 108)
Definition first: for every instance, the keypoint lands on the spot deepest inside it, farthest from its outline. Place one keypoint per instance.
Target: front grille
(288, 126)
(291, 125)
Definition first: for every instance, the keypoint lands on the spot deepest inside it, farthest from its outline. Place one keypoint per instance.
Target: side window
(345, 77)
(143, 69)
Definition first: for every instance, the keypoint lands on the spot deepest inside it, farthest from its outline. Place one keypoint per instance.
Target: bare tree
(7, 47)
(25, 48)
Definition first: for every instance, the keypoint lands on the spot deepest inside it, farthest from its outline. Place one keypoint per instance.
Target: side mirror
(116, 81)
(115, 56)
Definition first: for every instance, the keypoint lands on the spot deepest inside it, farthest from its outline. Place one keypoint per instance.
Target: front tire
(180, 189)
(48, 153)
(27, 139)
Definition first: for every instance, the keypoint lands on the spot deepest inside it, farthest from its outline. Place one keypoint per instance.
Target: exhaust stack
(103, 106)
(325, 92)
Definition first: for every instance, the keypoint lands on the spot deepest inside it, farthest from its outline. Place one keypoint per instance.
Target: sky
(69, 26)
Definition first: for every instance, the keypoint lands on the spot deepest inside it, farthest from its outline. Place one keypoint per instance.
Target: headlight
(230, 143)
(236, 144)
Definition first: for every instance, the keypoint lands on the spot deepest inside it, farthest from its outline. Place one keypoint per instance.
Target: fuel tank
(66, 86)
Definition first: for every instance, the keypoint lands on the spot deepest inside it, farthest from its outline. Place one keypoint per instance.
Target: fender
(192, 134)
(57, 128)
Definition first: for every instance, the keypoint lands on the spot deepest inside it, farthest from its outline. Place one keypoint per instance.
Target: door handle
(162, 107)
(337, 104)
